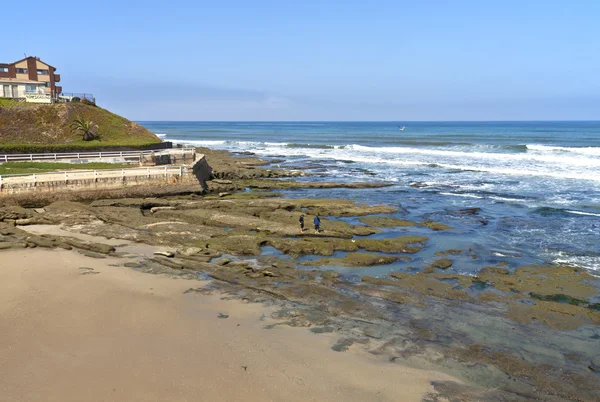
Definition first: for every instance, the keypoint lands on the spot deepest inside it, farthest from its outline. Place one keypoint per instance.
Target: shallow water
(537, 184)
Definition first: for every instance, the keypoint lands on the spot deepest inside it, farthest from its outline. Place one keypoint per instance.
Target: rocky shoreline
(530, 334)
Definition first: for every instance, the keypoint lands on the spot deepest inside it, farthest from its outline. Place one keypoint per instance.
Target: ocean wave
(504, 147)
(524, 164)
(310, 146)
(550, 158)
(421, 142)
(490, 166)
(198, 143)
(213, 130)
(594, 151)
(582, 213)
(465, 195)
(583, 173)
(160, 135)
(592, 263)
(549, 211)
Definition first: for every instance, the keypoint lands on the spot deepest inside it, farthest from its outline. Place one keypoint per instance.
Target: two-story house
(29, 79)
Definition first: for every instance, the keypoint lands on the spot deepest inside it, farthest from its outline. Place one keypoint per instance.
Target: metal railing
(92, 155)
(76, 95)
(71, 175)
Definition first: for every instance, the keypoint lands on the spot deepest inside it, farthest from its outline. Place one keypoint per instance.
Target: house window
(42, 72)
(31, 89)
(47, 84)
(3, 69)
(21, 71)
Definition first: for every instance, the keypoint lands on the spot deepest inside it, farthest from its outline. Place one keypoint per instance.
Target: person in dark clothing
(301, 220)
(317, 222)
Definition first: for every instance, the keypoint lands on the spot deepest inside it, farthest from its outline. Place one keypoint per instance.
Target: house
(29, 79)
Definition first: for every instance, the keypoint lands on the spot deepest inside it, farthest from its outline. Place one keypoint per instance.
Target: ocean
(535, 186)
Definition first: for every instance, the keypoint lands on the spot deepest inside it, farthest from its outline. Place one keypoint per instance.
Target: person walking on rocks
(317, 222)
(301, 220)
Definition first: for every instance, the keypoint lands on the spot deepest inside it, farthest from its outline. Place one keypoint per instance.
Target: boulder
(168, 254)
(435, 225)
(223, 261)
(156, 209)
(190, 251)
(468, 211)
(444, 263)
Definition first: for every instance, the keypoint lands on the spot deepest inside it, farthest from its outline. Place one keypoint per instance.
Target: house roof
(32, 57)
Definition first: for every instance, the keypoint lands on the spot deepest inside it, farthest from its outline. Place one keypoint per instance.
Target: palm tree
(86, 127)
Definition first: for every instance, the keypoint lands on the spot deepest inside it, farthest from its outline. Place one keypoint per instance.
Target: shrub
(75, 99)
(87, 102)
(87, 127)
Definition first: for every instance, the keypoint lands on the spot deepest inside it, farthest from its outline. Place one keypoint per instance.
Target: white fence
(72, 175)
(91, 155)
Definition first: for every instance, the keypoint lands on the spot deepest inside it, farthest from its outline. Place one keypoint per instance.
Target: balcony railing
(68, 97)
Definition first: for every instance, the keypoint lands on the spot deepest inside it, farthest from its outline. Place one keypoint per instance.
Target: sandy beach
(75, 328)
(240, 305)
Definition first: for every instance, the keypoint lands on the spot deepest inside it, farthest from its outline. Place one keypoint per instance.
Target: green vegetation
(436, 225)
(354, 260)
(250, 195)
(391, 222)
(444, 263)
(559, 298)
(8, 102)
(40, 167)
(34, 128)
(386, 222)
(87, 127)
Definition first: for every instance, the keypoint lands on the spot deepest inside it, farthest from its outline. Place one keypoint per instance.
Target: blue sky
(321, 60)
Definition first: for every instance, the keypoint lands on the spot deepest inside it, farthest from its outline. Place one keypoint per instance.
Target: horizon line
(366, 121)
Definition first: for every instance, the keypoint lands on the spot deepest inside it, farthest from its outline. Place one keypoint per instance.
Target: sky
(321, 60)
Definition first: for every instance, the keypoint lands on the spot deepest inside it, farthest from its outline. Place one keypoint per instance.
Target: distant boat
(401, 128)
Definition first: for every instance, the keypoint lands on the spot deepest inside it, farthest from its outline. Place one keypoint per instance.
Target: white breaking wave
(579, 150)
(198, 143)
(548, 164)
(553, 158)
(592, 263)
(463, 195)
(505, 199)
(160, 135)
(582, 213)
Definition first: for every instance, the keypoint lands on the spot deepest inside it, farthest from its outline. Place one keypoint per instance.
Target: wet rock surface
(531, 333)
(444, 263)
(355, 260)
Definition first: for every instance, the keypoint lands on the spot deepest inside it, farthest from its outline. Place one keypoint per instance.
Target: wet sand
(74, 328)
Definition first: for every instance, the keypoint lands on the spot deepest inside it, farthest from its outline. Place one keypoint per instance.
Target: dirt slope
(23, 125)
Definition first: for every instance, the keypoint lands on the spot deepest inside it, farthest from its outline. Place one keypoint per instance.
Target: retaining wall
(198, 173)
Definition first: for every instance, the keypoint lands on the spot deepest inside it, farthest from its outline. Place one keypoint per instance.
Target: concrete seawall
(197, 173)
